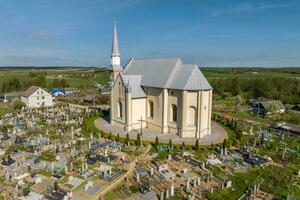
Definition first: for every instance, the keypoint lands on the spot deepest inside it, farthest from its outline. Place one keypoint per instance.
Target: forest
(285, 89)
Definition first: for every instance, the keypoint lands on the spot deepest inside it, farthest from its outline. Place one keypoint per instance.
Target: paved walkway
(218, 134)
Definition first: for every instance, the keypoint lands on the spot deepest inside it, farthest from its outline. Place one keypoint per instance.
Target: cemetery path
(218, 134)
(130, 170)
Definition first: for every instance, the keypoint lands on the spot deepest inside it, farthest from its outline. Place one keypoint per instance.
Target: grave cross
(141, 120)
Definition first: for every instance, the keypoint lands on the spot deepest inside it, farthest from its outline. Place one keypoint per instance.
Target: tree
(138, 139)
(102, 134)
(212, 146)
(126, 139)
(274, 108)
(225, 143)
(183, 146)
(156, 144)
(18, 104)
(170, 143)
(118, 138)
(197, 145)
(55, 186)
(59, 83)
(110, 136)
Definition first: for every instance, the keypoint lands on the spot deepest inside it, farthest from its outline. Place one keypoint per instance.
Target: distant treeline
(238, 70)
(43, 68)
(36, 78)
(285, 89)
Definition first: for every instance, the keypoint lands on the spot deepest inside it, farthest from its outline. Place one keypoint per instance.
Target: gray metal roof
(133, 83)
(30, 91)
(115, 46)
(167, 73)
(268, 103)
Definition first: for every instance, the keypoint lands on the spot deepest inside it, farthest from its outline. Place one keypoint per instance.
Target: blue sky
(206, 32)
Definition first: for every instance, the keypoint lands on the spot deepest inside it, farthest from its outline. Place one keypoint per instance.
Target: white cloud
(248, 7)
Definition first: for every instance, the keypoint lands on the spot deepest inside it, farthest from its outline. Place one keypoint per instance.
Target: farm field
(87, 76)
(75, 77)
(214, 73)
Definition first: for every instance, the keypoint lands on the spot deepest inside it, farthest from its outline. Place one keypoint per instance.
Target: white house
(35, 97)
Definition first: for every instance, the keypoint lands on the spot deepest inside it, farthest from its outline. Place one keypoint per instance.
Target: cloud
(248, 7)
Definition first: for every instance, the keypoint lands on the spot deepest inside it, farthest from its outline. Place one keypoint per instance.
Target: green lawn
(5, 110)
(272, 179)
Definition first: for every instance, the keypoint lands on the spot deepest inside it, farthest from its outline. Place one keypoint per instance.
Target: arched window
(120, 109)
(192, 116)
(173, 113)
(151, 111)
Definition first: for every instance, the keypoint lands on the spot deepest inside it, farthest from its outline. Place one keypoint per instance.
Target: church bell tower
(115, 56)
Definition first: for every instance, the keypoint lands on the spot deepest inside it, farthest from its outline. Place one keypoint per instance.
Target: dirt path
(130, 170)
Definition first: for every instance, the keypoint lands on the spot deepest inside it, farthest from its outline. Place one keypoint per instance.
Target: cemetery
(58, 153)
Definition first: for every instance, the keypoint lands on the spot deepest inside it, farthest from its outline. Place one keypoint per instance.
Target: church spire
(115, 55)
(115, 46)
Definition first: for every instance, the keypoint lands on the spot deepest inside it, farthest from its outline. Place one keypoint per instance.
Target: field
(83, 77)
(75, 77)
(215, 73)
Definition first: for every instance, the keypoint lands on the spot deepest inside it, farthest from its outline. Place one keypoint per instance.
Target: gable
(167, 73)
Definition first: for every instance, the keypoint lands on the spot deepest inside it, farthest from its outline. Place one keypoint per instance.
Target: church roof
(133, 83)
(115, 46)
(167, 73)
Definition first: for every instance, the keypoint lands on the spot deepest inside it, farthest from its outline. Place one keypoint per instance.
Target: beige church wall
(174, 97)
(192, 98)
(154, 95)
(119, 124)
(204, 133)
(138, 107)
(187, 133)
(118, 94)
(204, 110)
(192, 109)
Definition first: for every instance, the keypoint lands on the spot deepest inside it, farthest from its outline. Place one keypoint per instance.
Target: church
(163, 95)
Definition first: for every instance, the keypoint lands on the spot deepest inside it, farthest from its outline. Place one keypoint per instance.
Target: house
(35, 97)
(291, 128)
(265, 107)
(163, 95)
(72, 92)
(57, 92)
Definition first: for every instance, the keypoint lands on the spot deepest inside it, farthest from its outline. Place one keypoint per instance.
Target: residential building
(265, 107)
(35, 97)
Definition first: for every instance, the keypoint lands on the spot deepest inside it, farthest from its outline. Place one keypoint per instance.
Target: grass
(45, 173)
(211, 73)
(48, 156)
(89, 126)
(272, 179)
(118, 193)
(5, 109)
(75, 77)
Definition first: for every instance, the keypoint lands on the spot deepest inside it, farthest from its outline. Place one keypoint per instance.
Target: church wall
(155, 95)
(204, 112)
(138, 110)
(174, 97)
(118, 95)
(191, 106)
